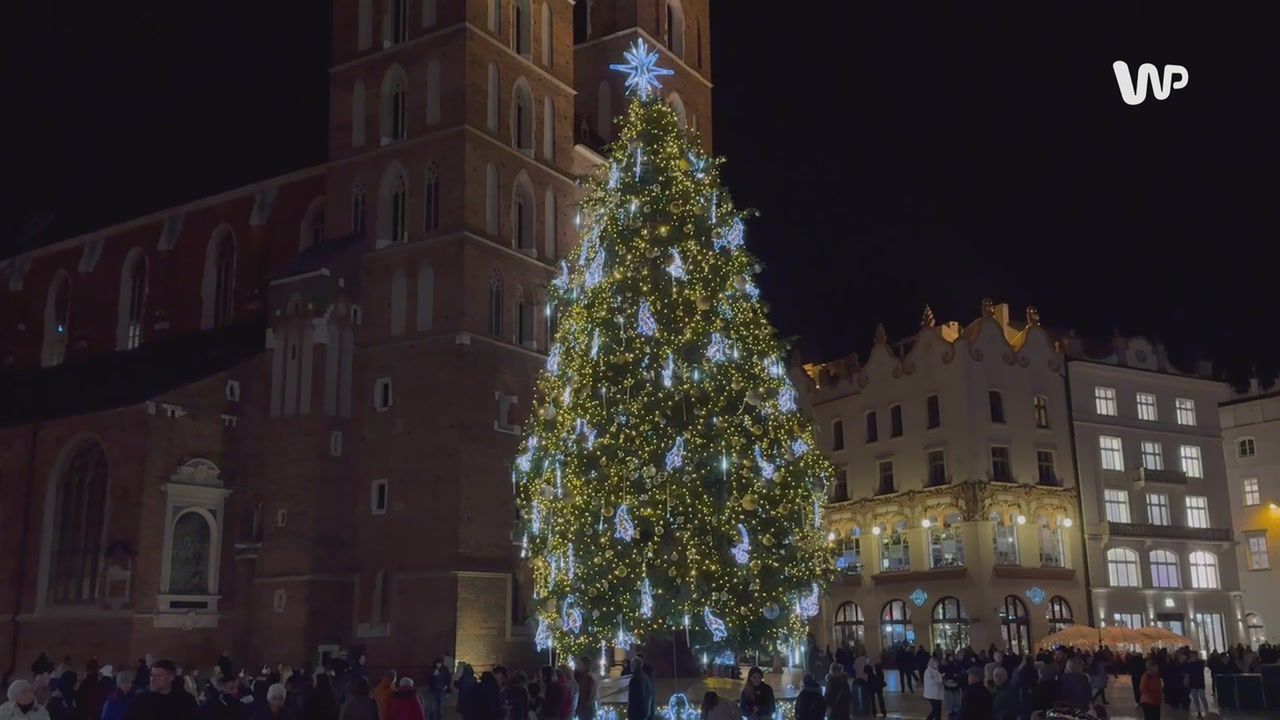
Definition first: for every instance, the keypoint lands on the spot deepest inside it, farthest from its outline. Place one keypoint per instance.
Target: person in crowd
(517, 700)
(227, 705)
(404, 703)
(976, 703)
(1005, 704)
(119, 695)
(875, 688)
(1151, 691)
(277, 707)
(63, 703)
(639, 692)
(466, 680)
(321, 703)
(22, 703)
(485, 701)
(588, 690)
(920, 662)
(757, 700)
(359, 706)
(810, 704)
(1137, 667)
(933, 688)
(551, 694)
(838, 697)
(569, 693)
(714, 707)
(1098, 678)
(382, 693)
(995, 660)
(951, 681)
(904, 659)
(164, 699)
(1195, 683)
(1075, 686)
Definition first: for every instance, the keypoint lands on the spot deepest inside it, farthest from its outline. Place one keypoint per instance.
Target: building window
(1255, 630)
(1059, 614)
(382, 394)
(357, 208)
(1246, 447)
(399, 301)
(399, 21)
(1005, 536)
(886, 478)
(549, 226)
(1204, 570)
(850, 629)
(219, 278)
(495, 304)
(546, 35)
(1122, 568)
(1158, 508)
(392, 227)
(1186, 408)
(1045, 471)
(1127, 619)
(933, 412)
(492, 104)
(57, 312)
(357, 114)
(1164, 569)
(1104, 400)
(431, 208)
(950, 625)
(873, 428)
(1152, 455)
(522, 214)
(1112, 453)
(675, 28)
(278, 600)
(524, 321)
(946, 547)
(522, 118)
(1252, 493)
(895, 549)
(78, 513)
(895, 625)
(1015, 625)
(233, 390)
(837, 435)
(1258, 557)
(1189, 459)
(995, 402)
(850, 557)
(133, 300)
(523, 22)
(1147, 407)
(1051, 554)
(1041, 405)
(378, 497)
(581, 22)
(394, 105)
(495, 14)
(491, 200)
(311, 230)
(1001, 470)
(1197, 511)
(895, 421)
(1212, 631)
(364, 24)
(1117, 505)
(937, 462)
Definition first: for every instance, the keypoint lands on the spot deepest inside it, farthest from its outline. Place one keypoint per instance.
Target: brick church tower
(334, 471)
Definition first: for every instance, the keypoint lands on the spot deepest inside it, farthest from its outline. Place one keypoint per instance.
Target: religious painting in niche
(189, 566)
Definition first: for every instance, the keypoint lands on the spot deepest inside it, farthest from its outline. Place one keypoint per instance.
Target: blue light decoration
(626, 529)
(562, 280)
(571, 564)
(787, 399)
(639, 160)
(642, 69)
(553, 568)
(669, 371)
(567, 396)
(676, 266)
(559, 481)
(535, 518)
(1035, 594)
(718, 349)
(646, 600)
(799, 447)
(679, 708)
(773, 366)
(614, 176)
(553, 359)
(715, 204)
(675, 457)
(715, 625)
(595, 344)
(732, 238)
(644, 320)
(524, 546)
(742, 551)
(751, 290)
(624, 638)
(918, 597)
(524, 461)
(807, 605)
(542, 638)
(817, 512)
(767, 469)
(571, 616)
(595, 271)
(726, 658)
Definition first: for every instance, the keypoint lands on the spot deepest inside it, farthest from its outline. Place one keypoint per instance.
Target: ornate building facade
(278, 421)
(956, 519)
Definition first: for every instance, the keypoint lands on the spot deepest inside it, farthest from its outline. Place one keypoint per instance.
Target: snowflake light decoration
(668, 371)
(642, 69)
(731, 238)
(799, 447)
(542, 639)
(676, 266)
(718, 349)
(787, 399)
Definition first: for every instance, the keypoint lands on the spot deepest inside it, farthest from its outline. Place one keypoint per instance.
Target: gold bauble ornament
(757, 430)
(548, 412)
(604, 461)
(647, 208)
(750, 501)
(740, 282)
(663, 231)
(592, 592)
(704, 302)
(659, 530)
(606, 511)
(755, 566)
(767, 540)
(688, 229)
(675, 206)
(737, 384)
(672, 572)
(754, 397)
(620, 571)
(684, 164)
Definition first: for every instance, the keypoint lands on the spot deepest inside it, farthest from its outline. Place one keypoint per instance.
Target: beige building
(1251, 443)
(956, 518)
(1157, 516)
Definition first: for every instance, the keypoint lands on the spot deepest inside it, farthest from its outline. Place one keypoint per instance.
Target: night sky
(900, 153)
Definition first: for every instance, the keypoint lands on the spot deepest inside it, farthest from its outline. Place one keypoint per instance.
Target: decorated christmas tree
(667, 484)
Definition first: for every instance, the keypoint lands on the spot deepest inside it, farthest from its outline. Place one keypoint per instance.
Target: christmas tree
(667, 482)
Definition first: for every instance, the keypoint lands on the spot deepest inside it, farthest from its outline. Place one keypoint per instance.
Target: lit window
(1001, 471)
(1127, 619)
(1204, 570)
(1258, 557)
(1117, 503)
(895, 550)
(1006, 540)
(1041, 405)
(886, 477)
(1246, 447)
(1152, 455)
(1189, 457)
(1158, 508)
(1197, 511)
(1104, 400)
(1122, 568)
(1164, 569)
(1252, 493)
(1147, 407)
(1112, 453)
(1186, 411)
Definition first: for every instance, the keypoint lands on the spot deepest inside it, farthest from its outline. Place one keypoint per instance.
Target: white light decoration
(562, 280)
(642, 69)
(817, 512)
(595, 344)
(571, 564)
(731, 238)
(639, 160)
(1022, 519)
(1067, 522)
(676, 266)
(831, 536)
(535, 518)
(553, 571)
(767, 469)
(807, 605)
(595, 271)
(567, 396)
(751, 290)
(646, 600)
(571, 616)
(774, 367)
(715, 202)
(876, 530)
(524, 546)
(799, 447)
(645, 323)
(742, 551)
(787, 399)
(717, 627)
(726, 658)
(625, 528)
(675, 457)
(718, 349)
(559, 481)
(524, 461)
(542, 638)
(614, 176)
(669, 371)
(925, 523)
(624, 639)
(553, 359)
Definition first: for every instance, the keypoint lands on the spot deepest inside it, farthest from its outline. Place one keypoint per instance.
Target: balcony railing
(1142, 476)
(1169, 531)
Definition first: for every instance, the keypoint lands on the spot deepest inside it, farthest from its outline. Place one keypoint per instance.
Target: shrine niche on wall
(194, 521)
(117, 576)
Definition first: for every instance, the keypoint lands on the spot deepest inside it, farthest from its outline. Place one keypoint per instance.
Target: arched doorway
(849, 629)
(1015, 625)
(1059, 614)
(895, 625)
(950, 627)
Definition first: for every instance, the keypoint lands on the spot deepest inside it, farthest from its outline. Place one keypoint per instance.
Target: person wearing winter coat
(1151, 692)
(839, 697)
(22, 703)
(119, 696)
(382, 693)
(1005, 704)
(588, 690)
(516, 700)
(715, 707)
(320, 703)
(359, 706)
(757, 697)
(976, 703)
(552, 694)
(810, 704)
(639, 692)
(933, 690)
(277, 707)
(63, 703)
(875, 688)
(1076, 689)
(227, 705)
(404, 703)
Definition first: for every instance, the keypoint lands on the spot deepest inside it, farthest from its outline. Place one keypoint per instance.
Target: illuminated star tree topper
(642, 69)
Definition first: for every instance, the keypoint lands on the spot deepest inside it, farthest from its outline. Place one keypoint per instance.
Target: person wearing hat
(163, 700)
(405, 703)
(22, 703)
